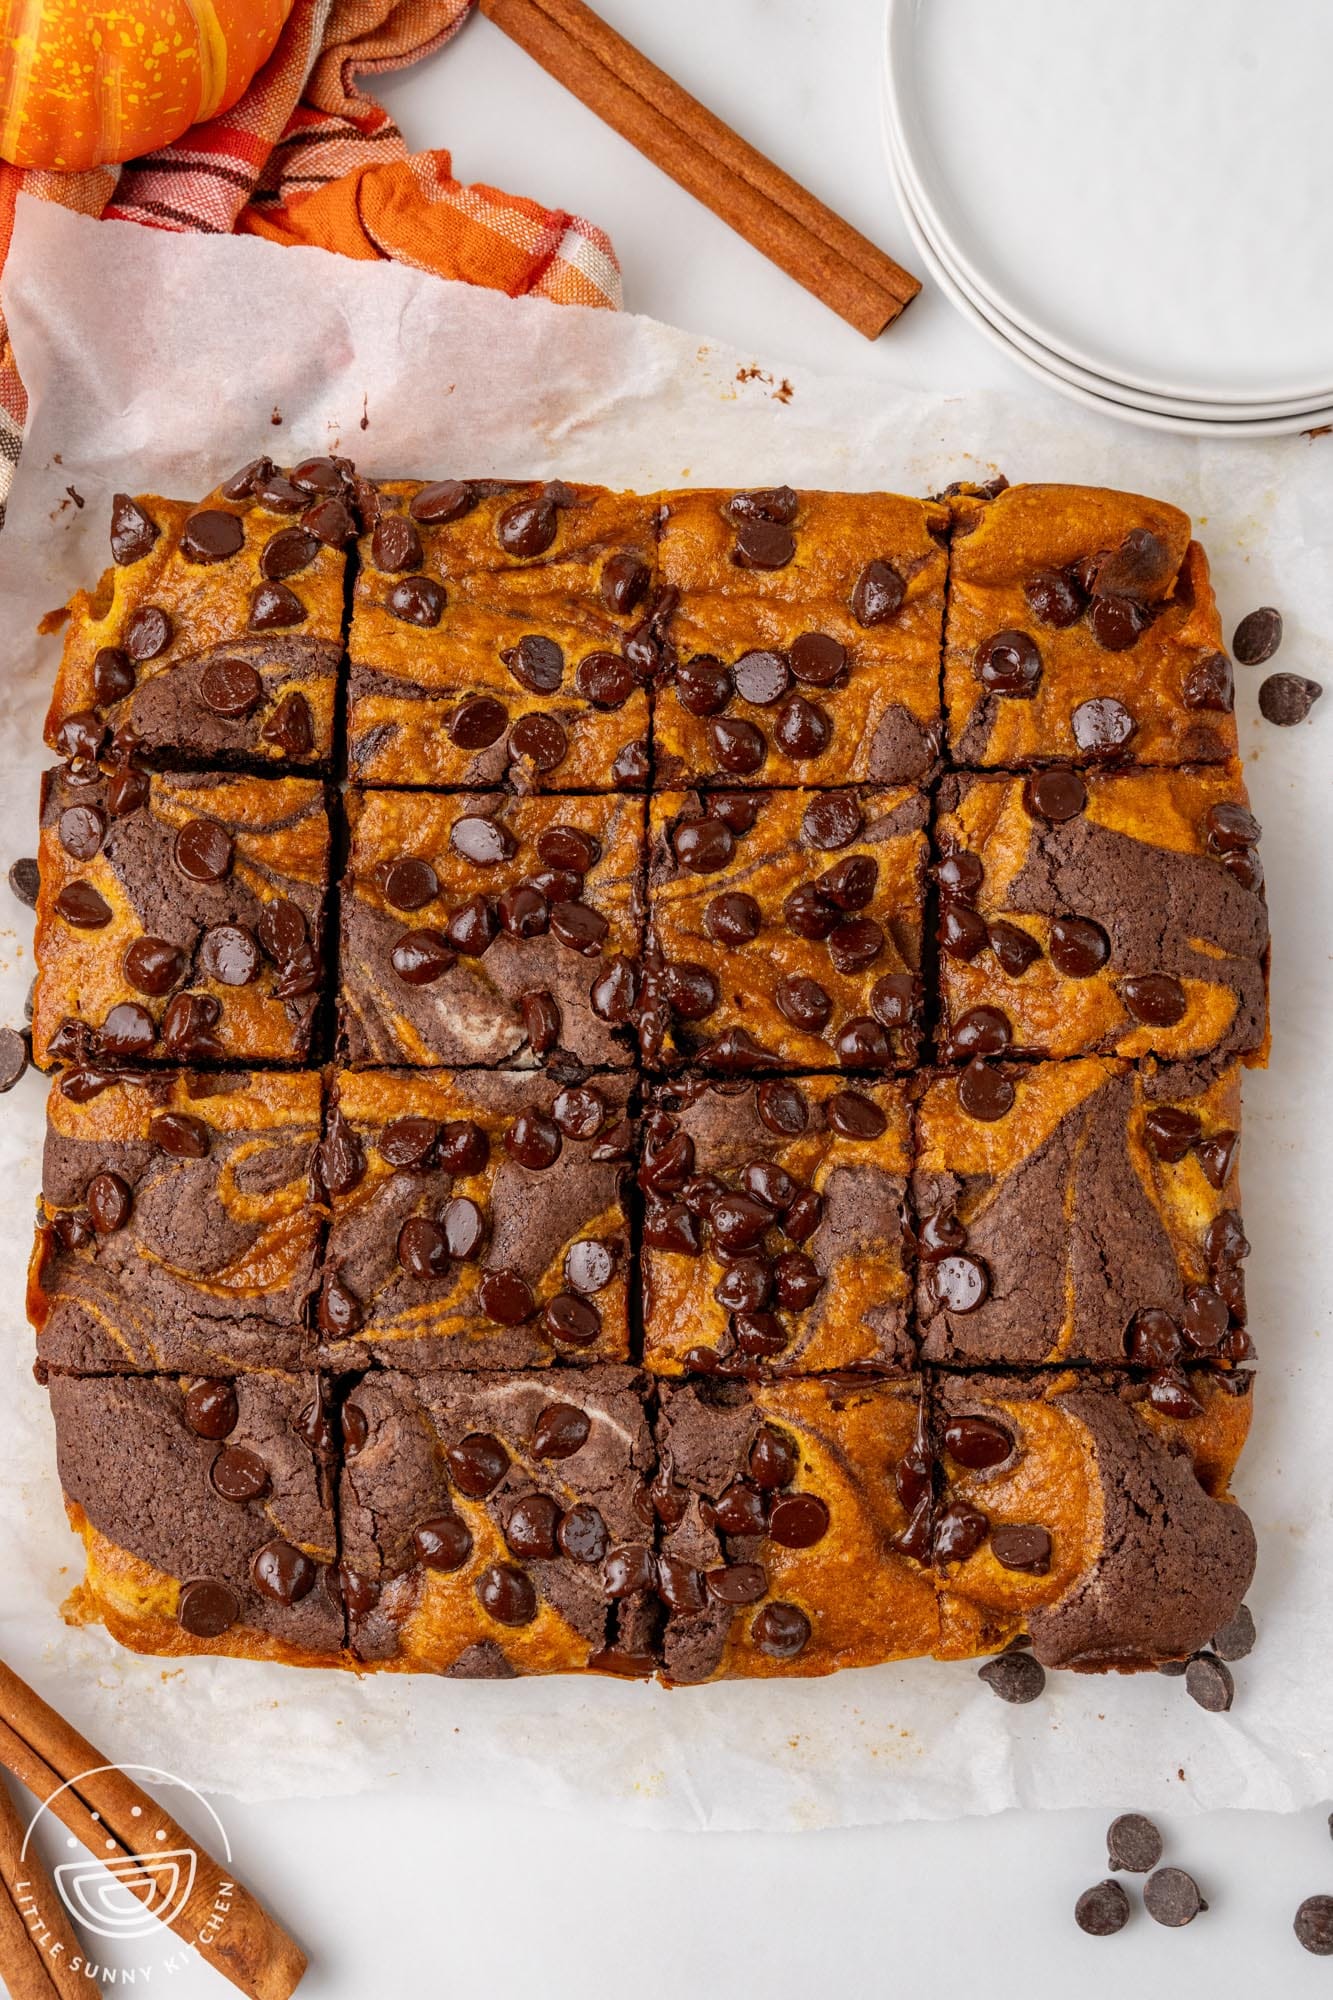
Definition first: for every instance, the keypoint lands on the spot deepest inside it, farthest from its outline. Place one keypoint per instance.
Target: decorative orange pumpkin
(84, 83)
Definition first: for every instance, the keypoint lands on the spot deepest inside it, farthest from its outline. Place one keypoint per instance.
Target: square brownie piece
(215, 637)
(179, 1225)
(805, 641)
(504, 633)
(774, 1230)
(478, 1220)
(1090, 1512)
(780, 1521)
(1082, 1211)
(784, 929)
(1081, 627)
(180, 918)
(481, 929)
(499, 1525)
(1109, 913)
(206, 1511)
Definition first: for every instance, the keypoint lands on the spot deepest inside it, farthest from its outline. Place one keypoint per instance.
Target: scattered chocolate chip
(1078, 947)
(128, 1031)
(1313, 1925)
(877, 593)
(1133, 1844)
(1235, 1640)
(1288, 698)
(528, 528)
(1014, 1677)
(832, 820)
(539, 738)
(152, 966)
(1208, 1681)
(1022, 1548)
(421, 957)
(13, 1058)
(25, 881)
(1209, 684)
(1172, 1897)
(1258, 636)
(1102, 1910)
(1117, 622)
(180, 1134)
(148, 632)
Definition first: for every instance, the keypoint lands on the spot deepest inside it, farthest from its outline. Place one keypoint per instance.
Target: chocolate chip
(764, 503)
(477, 723)
(781, 1630)
(1014, 1677)
(1209, 684)
(330, 522)
(980, 1031)
(536, 663)
(703, 845)
(530, 1526)
(1171, 1132)
(417, 600)
(761, 678)
(203, 850)
(1258, 636)
(13, 1058)
(181, 1135)
(528, 528)
(444, 500)
(1022, 1548)
(422, 1249)
(624, 580)
(444, 1542)
(1056, 794)
(808, 913)
(985, 1093)
(290, 727)
(231, 687)
(764, 544)
(631, 769)
(816, 659)
(152, 966)
(605, 679)
(541, 1021)
(582, 1534)
(339, 1312)
(211, 1409)
(803, 1002)
(1008, 663)
(580, 927)
(1102, 1910)
(25, 881)
(534, 1140)
(850, 883)
(421, 957)
(477, 1464)
(274, 606)
(1287, 698)
(113, 676)
(893, 999)
(211, 536)
(861, 1043)
(629, 1569)
(1208, 1681)
(1172, 1897)
(1078, 947)
(283, 1572)
(798, 1520)
(482, 841)
(853, 1116)
(1102, 727)
(1313, 1925)
(691, 990)
(128, 1031)
(962, 931)
(133, 532)
(1235, 1640)
(286, 553)
(738, 746)
(539, 738)
(148, 632)
(80, 905)
(278, 495)
(506, 1298)
(1153, 998)
(464, 1228)
(1116, 623)
(239, 1474)
(977, 1443)
(81, 830)
(1217, 1156)
(613, 993)
(832, 820)
(1054, 598)
(877, 593)
(1133, 1844)
(560, 1431)
(802, 729)
(207, 1607)
(855, 944)
(703, 685)
(126, 791)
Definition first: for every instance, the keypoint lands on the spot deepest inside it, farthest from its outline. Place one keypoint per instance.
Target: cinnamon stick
(38, 1950)
(112, 1817)
(763, 204)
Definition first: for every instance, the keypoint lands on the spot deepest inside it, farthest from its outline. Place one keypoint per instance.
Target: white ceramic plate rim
(1052, 360)
(900, 21)
(1127, 412)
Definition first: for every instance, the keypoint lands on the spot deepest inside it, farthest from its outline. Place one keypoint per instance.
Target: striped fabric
(306, 157)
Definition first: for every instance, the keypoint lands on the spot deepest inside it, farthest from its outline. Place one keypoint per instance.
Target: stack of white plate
(1130, 197)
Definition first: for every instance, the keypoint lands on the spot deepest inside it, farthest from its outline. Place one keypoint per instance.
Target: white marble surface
(390, 1892)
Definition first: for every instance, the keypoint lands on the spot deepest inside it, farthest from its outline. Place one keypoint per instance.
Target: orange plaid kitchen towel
(305, 157)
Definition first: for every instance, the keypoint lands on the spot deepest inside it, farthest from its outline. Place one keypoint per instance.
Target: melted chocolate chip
(152, 966)
(506, 1298)
(181, 1135)
(291, 727)
(1153, 998)
(211, 1409)
(113, 676)
(877, 593)
(80, 906)
(282, 1572)
(541, 739)
(148, 632)
(445, 500)
(395, 545)
(203, 850)
(421, 957)
(133, 531)
(985, 1093)
(1102, 727)
(274, 606)
(417, 600)
(1078, 947)
(207, 1607)
(832, 820)
(211, 536)
(781, 1630)
(528, 527)
(286, 553)
(477, 723)
(1008, 664)
(231, 688)
(1056, 794)
(81, 831)
(444, 1542)
(817, 660)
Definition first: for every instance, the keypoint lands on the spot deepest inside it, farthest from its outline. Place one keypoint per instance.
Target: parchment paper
(157, 362)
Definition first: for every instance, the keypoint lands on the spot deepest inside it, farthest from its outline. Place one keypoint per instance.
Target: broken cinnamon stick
(115, 1820)
(764, 205)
